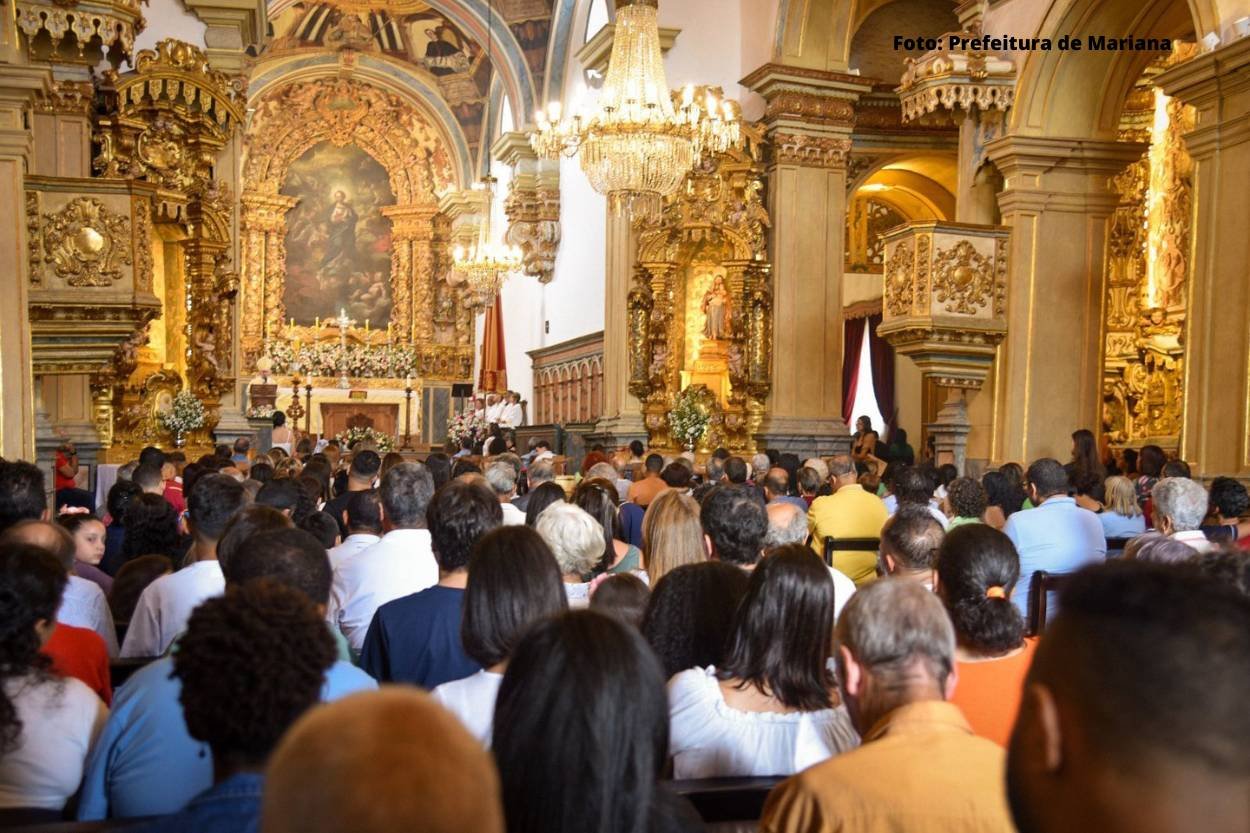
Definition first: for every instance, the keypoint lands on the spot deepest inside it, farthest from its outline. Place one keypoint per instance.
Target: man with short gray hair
(502, 478)
(1180, 504)
(896, 659)
(850, 512)
(538, 473)
(400, 564)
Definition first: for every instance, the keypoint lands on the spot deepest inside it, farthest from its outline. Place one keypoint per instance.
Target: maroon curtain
(852, 343)
(881, 357)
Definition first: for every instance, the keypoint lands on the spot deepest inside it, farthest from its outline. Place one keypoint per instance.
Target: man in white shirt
(83, 604)
(1180, 505)
(400, 564)
(363, 515)
(512, 415)
(166, 604)
(502, 476)
(494, 408)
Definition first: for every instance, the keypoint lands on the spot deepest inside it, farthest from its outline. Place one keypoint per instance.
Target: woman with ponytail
(977, 569)
(47, 723)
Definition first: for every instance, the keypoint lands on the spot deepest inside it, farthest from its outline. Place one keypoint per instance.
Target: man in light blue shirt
(145, 763)
(1056, 536)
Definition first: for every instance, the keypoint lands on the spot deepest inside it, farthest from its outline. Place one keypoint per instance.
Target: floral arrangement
(184, 415)
(383, 442)
(468, 426)
(687, 421)
(260, 412)
(360, 361)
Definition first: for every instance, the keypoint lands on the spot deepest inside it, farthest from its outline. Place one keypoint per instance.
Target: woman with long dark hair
(48, 724)
(1150, 462)
(1086, 470)
(540, 497)
(977, 569)
(773, 707)
(513, 583)
(120, 495)
(598, 497)
(581, 732)
(151, 529)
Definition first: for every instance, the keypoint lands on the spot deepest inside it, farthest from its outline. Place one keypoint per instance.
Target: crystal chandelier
(638, 141)
(484, 267)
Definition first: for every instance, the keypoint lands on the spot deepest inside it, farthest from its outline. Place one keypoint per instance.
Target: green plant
(185, 414)
(688, 420)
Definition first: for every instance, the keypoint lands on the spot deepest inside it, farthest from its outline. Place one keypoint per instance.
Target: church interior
(211, 199)
(949, 238)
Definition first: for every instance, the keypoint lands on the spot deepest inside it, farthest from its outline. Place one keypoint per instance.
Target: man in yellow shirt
(920, 766)
(850, 512)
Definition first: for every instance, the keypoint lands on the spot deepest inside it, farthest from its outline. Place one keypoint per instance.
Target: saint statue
(717, 311)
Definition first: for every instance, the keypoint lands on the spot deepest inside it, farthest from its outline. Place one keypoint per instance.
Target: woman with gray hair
(1180, 504)
(576, 540)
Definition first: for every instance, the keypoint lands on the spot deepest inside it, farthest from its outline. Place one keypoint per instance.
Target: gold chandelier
(485, 266)
(639, 140)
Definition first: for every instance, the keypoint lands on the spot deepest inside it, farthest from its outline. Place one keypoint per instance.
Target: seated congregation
(334, 641)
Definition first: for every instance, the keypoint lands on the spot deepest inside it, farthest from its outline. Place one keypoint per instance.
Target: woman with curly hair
(251, 662)
(1229, 502)
(966, 502)
(976, 571)
(48, 724)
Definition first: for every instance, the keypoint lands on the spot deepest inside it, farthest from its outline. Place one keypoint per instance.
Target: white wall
(169, 19)
(708, 51)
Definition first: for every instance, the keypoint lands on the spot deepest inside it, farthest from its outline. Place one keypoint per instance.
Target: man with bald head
(1134, 717)
(83, 605)
(850, 512)
(381, 762)
(787, 524)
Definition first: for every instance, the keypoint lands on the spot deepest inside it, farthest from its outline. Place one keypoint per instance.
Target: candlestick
(408, 414)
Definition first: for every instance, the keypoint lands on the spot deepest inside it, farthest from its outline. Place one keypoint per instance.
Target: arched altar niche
(342, 113)
(711, 236)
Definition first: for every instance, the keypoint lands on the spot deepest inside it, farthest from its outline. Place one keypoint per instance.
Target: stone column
(1217, 374)
(809, 117)
(622, 412)
(1058, 201)
(18, 85)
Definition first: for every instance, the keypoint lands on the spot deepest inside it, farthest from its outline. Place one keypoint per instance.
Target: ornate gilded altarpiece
(362, 127)
(167, 123)
(701, 306)
(1147, 272)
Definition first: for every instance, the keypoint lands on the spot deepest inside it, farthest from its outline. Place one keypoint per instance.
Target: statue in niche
(717, 311)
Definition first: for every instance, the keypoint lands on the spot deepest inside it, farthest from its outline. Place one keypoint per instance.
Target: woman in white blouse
(48, 724)
(773, 707)
(513, 582)
(576, 540)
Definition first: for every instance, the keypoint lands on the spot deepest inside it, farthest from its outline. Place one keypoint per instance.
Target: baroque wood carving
(716, 227)
(405, 142)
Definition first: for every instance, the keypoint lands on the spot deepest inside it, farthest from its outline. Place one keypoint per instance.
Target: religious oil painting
(338, 243)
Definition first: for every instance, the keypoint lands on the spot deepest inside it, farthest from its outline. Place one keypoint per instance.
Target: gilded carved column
(1058, 201)
(810, 115)
(1217, 378)
(263, 228)
(412, 230)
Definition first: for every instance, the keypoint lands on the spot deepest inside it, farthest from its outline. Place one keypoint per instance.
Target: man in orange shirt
(644, 491)
(920, 767)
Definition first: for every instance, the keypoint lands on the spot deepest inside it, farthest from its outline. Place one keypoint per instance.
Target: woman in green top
(598, 498)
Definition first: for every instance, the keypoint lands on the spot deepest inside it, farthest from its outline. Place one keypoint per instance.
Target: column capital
(1209, 83)
(811, 101)
(1065, 173)
(19, 87)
